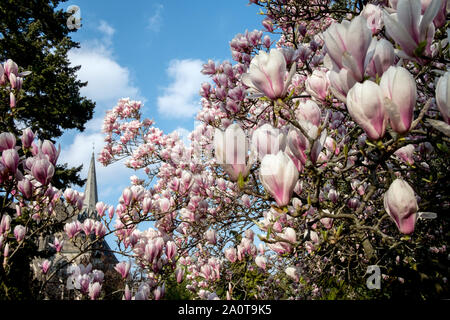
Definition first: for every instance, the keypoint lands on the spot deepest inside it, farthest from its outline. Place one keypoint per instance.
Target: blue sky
(150, 51)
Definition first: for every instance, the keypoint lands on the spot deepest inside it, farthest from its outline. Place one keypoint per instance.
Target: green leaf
(443, 147)
(420, 49)
(241, 182)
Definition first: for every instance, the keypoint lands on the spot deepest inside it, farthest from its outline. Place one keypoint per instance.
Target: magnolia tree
(319, 169)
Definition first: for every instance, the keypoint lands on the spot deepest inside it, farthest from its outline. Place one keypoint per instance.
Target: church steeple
(90, 192)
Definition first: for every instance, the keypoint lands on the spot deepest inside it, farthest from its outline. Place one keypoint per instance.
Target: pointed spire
(90, 191)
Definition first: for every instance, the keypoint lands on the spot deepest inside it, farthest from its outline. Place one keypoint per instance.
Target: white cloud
(155, 21)
(180, 99)
(105, 28)
(107, 80)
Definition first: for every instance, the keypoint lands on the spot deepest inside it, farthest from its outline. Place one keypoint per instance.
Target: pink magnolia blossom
(340, 83)
(409, 28)
(88, 226)
(399, 90)
(6, 250)
(401, 204)
(48, 148)
(230, 254)
(261, 262)
(267, 74)
(159, 292)
(123, 268)
(164, 204)
(279, 175)
(231, 148)
(297, 144)
(347, 45)
(94, 290)
(171, 250)
(99, 229)
(292, 273)
(10, 159)
(42, 170)
(382, 58)
(365, 105)
(27, 137)
(7, 141)
(333, 195)
(210, 236)
(5, 224)
(101, 208)
(72, 228)
(443, 96)
(57, 245)
(406, 154)
(268, 140)
(12, 100)
(19, 233)
(373, 15)
(25, 187)
(327, 222)
(317, 85)
(127, 293)
(179, 274)
(11, 67)
(127, 196)
(45, 266)
(308, 111)
(246, 201)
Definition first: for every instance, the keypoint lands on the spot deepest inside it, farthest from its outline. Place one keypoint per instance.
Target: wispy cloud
(155, 21)
(180, 99)
(106, 28)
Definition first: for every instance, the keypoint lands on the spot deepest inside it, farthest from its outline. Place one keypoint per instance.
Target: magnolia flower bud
(7, 141)
(179, 274)
(11, 68)
(27, 138)
(443, 96)
(340, 83)
(171, 249)
(399, 89)
(382, 58)
(401, 204)
(210, 236)
(279, 175)
(10, 159)
(365, 105)
(48, 148)
(406, 154)
(94, 290)
(42, 170)
(19, 232)
(317, 85)
(308, 111)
